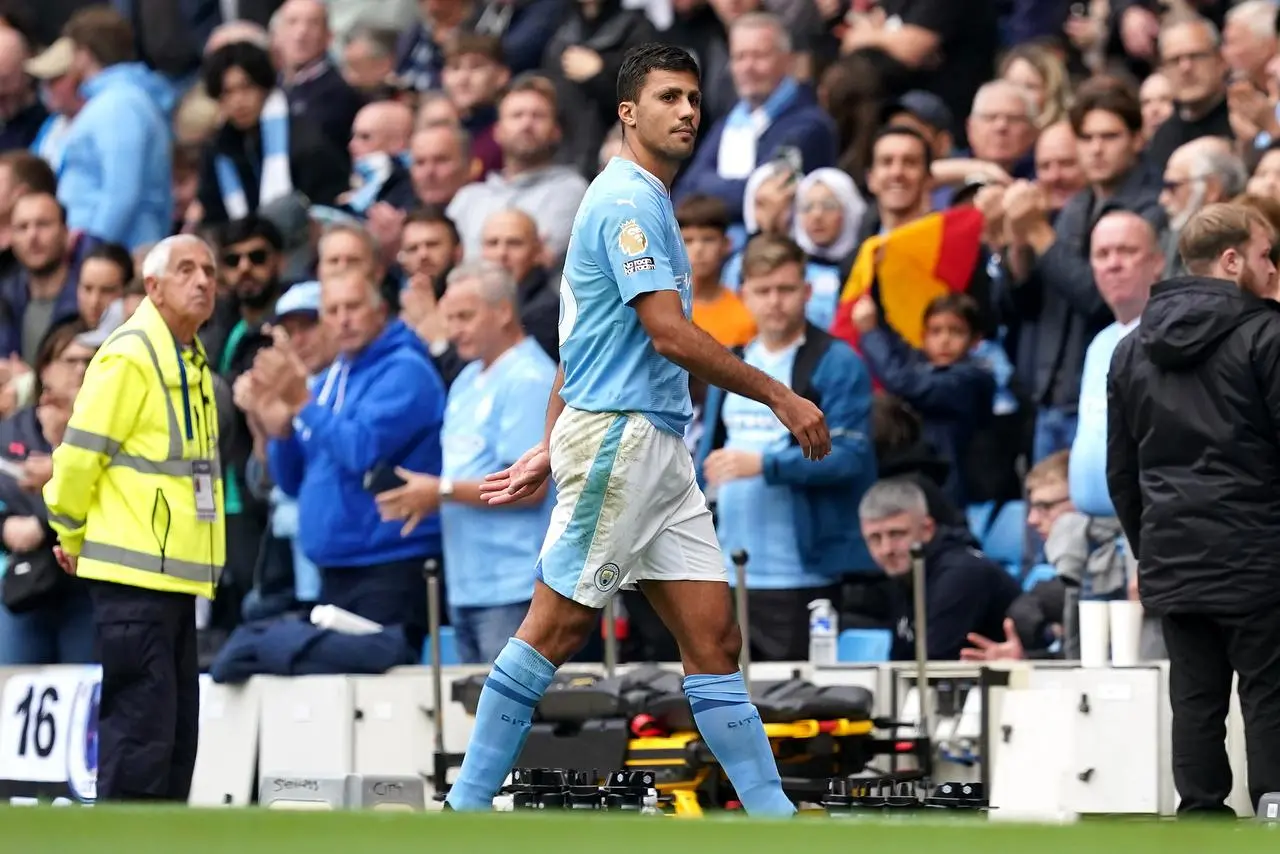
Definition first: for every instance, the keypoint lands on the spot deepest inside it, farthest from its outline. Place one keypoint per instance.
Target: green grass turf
(73, 830)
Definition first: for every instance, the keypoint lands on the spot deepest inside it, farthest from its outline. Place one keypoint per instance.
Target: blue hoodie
(116, 175)
(364, 412)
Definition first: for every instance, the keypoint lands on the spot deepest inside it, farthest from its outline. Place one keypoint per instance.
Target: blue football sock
(517, 682)
(731, 727)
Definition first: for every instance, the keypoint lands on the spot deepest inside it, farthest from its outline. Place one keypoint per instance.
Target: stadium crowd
(975, 196)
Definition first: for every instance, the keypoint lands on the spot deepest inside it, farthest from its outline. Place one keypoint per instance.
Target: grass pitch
(72, 830)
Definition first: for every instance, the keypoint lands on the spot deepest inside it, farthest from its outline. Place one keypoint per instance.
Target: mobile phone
(382, 479)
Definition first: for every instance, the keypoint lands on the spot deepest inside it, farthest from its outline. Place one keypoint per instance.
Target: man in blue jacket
(775, 117)
(380, 405)
(793, 516)
(116, 176)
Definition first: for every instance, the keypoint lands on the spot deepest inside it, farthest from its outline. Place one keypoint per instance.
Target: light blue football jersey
(625, 242)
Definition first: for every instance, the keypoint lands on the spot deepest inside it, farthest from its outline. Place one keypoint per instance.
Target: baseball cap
(53, 62)
(925, 106)
(112, 319)
(302, 298)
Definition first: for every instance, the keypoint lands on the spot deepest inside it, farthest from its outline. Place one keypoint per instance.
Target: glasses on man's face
(257, 257)
(1046, 506)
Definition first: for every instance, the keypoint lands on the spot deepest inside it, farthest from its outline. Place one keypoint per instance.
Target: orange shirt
(725, 319)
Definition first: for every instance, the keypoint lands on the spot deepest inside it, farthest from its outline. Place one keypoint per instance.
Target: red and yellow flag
(910, 266)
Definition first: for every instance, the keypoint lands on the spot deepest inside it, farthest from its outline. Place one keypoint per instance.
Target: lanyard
(186, 394)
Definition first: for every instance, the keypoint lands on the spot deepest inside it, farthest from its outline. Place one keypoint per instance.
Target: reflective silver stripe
(175, 437)
(173, 468)
(66, 522)
(184, 569)
(93, 442)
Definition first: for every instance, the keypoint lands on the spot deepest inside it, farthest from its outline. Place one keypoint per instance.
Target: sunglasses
(257, 257)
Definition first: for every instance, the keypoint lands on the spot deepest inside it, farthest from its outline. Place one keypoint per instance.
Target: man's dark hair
(468, 43)
(249, 58)
(30, 171)
(432, 215)
(958, 305)
(115, 254)
(104, 32)
(895, 426)
(703, 211)
(651, 56)
(1111, 95)
(250, 228)
(903, 130)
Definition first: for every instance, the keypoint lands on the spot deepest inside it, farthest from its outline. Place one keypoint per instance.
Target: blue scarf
(774, 105)
(276, 182)
(373, 171)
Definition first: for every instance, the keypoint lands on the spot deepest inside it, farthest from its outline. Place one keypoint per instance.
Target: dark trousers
(1203, 652)
(149, 716)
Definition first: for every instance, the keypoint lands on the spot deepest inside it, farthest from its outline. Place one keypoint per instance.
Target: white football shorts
(628, 509)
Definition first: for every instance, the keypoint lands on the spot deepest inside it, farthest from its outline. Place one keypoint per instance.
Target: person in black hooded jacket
(1193, 463)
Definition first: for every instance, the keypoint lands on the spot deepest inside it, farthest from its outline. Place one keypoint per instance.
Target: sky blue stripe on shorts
(565, 561)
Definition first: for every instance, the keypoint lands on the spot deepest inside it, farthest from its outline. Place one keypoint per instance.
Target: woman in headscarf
(829, 210)
(821, 212)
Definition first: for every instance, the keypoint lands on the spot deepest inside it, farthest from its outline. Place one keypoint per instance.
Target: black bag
(33, 580)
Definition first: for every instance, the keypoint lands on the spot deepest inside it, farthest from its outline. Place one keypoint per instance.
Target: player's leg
(700, 615)
(591, 528)
(553, 630)
(683, 576)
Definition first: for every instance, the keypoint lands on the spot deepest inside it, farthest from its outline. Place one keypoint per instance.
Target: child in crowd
(704, 225)
(473, 76)
(950, 390)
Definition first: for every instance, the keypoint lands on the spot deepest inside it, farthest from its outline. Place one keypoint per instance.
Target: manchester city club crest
(607, 577)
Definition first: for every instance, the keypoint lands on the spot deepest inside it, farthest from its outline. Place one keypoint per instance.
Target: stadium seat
(448, 648)
(864, 646)
(1001, 537)
(978, 516)
(1039, 572)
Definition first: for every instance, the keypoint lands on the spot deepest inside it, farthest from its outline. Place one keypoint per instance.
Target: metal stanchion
(922, 641)
(431, 569)
(739, 558)
(610, 639)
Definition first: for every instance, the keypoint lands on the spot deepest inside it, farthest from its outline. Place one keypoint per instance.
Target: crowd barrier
(1052, 740)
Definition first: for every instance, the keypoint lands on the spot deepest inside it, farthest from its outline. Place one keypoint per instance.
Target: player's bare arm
(527, 475)
(677, 339)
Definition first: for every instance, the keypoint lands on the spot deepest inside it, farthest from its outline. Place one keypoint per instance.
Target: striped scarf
(276, 182)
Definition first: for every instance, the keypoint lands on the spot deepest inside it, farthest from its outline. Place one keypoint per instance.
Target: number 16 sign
(48, 728)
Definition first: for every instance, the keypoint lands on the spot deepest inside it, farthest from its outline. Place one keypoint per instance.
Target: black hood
(1188, 317)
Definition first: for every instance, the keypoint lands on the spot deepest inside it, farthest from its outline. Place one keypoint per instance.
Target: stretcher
(587, 727)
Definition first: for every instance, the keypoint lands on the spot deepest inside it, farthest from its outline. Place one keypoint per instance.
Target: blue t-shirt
(492, 417)
(752, 514)
(625, 242)
(1088, 461)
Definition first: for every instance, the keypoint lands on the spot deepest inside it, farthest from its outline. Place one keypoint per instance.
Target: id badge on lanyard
(202, 481)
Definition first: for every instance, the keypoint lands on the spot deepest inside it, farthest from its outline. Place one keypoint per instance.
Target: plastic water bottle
(822, 632)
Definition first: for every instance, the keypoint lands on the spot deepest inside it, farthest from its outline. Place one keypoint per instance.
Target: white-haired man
(495, 411)
(1200, 173)
(1001, 128)
(136, 501)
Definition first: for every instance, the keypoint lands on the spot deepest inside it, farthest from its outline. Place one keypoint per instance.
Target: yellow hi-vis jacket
(122, 496)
